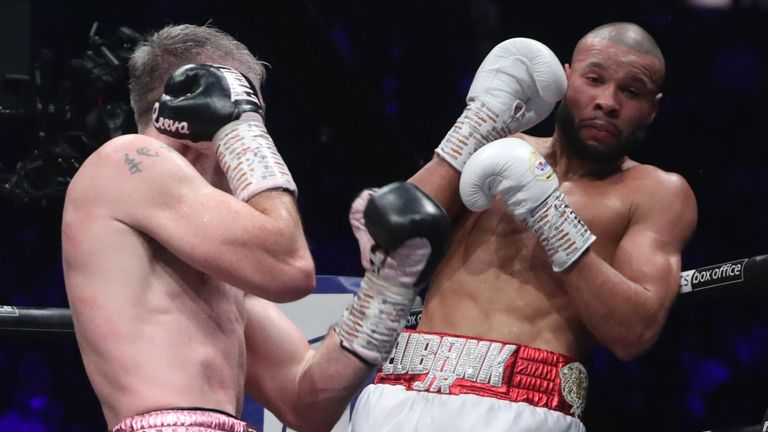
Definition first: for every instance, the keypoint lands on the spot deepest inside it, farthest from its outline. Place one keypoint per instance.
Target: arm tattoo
(134, 166)
(146, 151)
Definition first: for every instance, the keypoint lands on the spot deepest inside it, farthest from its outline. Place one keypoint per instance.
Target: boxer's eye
(593, 79)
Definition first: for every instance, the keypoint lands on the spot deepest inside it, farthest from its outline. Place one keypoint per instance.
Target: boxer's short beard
(566, 125)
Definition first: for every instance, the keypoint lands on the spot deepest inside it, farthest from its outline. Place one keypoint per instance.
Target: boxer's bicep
(276, 353)
(650, 251)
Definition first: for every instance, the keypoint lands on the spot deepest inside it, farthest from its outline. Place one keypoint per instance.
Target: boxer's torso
(153, 332)
(496, 281)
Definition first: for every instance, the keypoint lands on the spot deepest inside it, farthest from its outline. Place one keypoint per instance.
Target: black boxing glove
(403, 235)
(393, 216)
(199, 99)
(204, 103)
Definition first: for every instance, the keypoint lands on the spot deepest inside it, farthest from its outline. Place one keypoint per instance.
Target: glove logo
(169, 125)
(377, 258)
(540, 168)
(239, 87)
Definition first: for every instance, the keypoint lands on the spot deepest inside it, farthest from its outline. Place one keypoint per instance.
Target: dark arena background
(359, 93)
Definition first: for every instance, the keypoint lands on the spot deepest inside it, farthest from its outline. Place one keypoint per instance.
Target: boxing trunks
(445, 382)
(183, 420)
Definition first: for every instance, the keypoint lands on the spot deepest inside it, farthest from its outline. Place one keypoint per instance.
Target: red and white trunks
(438, 382)
(183, 420)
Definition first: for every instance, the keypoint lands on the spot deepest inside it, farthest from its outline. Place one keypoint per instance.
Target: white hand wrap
(513, 170)
(478, 124)
(250, 159)
(377, 315)
(563, 235)
(515, 87)
(371, 324)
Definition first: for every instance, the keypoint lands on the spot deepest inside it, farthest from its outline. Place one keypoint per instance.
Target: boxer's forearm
(622, 315)
(286, 257)
(327, 383)
(441, 182)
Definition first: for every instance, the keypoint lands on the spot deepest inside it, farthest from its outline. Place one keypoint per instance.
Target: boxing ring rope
(748, 274)
(31, 319)
(744, 275)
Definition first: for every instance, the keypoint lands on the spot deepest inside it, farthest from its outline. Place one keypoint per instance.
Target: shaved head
(631, 36)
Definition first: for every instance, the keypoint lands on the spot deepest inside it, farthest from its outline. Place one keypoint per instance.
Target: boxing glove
(403, 235)
(199, 99)
(515, 87)
(202, 105)
(512, 170)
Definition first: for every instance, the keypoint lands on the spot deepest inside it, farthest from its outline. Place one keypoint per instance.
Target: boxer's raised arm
(402, 235)
(516, 86)
(149, 187)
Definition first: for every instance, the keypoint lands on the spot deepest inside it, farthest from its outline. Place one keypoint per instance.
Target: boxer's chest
(605, 207)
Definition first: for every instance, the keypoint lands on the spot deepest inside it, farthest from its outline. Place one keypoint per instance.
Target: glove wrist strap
(561, 232)
(478, 125)
(370, 325)
(250, 160)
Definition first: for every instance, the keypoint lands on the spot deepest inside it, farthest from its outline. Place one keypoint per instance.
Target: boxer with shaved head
(559, 242)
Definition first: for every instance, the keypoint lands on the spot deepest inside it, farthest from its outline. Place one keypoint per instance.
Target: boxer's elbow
(635, 334)
(627, 353)
(303, 279)
(297, 279)
(632, 344)
(280, 279)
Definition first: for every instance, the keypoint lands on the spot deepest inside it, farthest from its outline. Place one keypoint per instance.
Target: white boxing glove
(516, 87)
(511, 169)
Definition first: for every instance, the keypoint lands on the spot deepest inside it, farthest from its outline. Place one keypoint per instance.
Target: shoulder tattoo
(146, 151)
(134, 166)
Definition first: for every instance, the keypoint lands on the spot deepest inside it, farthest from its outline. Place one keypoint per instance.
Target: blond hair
(164, 51)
